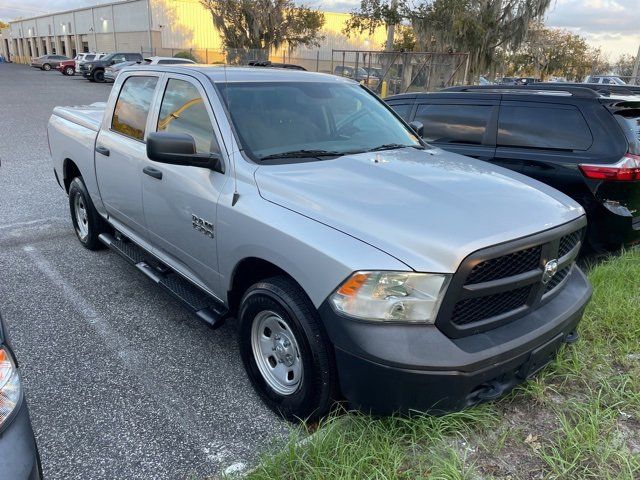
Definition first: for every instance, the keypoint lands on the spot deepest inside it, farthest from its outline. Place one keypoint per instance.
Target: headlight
(392, 296)
(9, 386)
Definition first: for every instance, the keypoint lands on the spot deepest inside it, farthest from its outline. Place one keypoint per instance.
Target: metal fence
(402, 72)
(386, 73)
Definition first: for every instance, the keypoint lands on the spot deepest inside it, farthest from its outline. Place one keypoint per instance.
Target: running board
(203, 305)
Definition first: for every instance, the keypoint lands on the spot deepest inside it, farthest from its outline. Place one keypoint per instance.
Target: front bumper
(19, 458)
(388, 368)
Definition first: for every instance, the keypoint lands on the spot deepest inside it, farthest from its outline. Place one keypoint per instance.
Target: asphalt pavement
(121, 380)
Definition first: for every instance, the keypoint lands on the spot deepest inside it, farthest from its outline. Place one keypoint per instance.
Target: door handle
(153, 172)
(102, 150)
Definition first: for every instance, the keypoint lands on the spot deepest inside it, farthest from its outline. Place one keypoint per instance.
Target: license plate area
(540, 357)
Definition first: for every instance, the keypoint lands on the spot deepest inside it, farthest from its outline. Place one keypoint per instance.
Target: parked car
(526, 80)
(19, 458)
(290, 66)
(508, 81)
(357, 260)
(572, 138)
(605, 79)
(358, 74)
(609, 89)
(87, 57)
(68, 67)
(112, 72)
(47, 62)
(94, 70)
(374, 72)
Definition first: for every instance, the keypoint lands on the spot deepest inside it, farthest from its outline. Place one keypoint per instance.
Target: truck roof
(220, 74)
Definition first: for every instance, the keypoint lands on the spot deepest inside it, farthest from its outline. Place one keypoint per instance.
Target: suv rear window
(559, 128)
(454, 123)
(630, 123)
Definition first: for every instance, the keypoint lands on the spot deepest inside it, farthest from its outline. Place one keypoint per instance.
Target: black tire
(94, 223)
(318, 386)
(69, 71)
(46, 67)
(98, 76)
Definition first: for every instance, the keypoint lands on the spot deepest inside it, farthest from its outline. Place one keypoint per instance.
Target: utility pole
(634, 79)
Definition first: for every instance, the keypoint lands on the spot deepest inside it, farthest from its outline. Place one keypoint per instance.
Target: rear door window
(559, 127)
(132, 107)
(454, 123)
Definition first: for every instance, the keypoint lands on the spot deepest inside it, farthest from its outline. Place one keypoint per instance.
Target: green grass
(579, 418)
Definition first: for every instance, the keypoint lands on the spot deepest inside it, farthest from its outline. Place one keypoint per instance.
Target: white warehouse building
(160, 27)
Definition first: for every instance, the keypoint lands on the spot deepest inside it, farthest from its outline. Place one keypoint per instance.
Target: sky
(612, 25)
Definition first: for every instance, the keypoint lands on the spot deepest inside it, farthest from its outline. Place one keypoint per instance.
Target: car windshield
(311, 119)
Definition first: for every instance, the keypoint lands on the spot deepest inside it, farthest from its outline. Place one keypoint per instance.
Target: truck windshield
(311, 119)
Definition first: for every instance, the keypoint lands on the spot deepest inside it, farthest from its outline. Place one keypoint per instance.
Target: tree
(3, 25)
(624, 65)
(483, 28)
(405, 40)
(551, 51)
(251, 28)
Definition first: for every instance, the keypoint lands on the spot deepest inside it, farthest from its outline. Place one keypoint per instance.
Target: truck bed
(89, 116)
(72, 133)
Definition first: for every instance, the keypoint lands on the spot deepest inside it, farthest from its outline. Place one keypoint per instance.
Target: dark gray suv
(19, 458)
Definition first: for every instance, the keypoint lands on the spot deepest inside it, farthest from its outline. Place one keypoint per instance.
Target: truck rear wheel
(285, 350)
(87, 222)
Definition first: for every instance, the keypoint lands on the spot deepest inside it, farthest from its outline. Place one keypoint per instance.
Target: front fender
(317, 256)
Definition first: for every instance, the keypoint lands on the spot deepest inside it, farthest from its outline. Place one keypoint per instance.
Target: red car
(67, 67)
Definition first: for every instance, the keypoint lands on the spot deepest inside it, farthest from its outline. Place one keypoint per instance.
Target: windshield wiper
(303, 154)
(393, 146)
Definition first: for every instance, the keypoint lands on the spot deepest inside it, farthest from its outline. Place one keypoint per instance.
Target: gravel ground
(121, 380)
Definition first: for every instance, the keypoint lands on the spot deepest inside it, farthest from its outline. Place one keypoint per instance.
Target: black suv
(585, 143)
(94, 71)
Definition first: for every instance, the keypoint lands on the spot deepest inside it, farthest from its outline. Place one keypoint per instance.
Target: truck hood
(427, 208)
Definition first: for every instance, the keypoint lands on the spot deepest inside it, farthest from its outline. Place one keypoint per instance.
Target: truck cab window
(183, 111)
(132, 107)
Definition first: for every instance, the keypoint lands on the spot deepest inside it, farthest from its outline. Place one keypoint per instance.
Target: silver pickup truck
(358, 262)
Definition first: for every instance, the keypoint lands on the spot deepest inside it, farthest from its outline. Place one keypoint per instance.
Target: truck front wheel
(87, 222)
(98, 76)
(285, 350)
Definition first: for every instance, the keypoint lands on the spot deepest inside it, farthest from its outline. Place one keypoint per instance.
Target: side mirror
(180, 149)
(417, 127)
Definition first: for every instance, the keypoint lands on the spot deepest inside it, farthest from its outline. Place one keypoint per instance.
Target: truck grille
(472, 310)
(506, 266)
(499, 284)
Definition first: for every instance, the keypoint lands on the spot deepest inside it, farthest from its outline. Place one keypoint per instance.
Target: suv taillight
(626, 170)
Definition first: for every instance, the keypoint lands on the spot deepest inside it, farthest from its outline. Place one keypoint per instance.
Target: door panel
(180, 206)
(120, 151)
